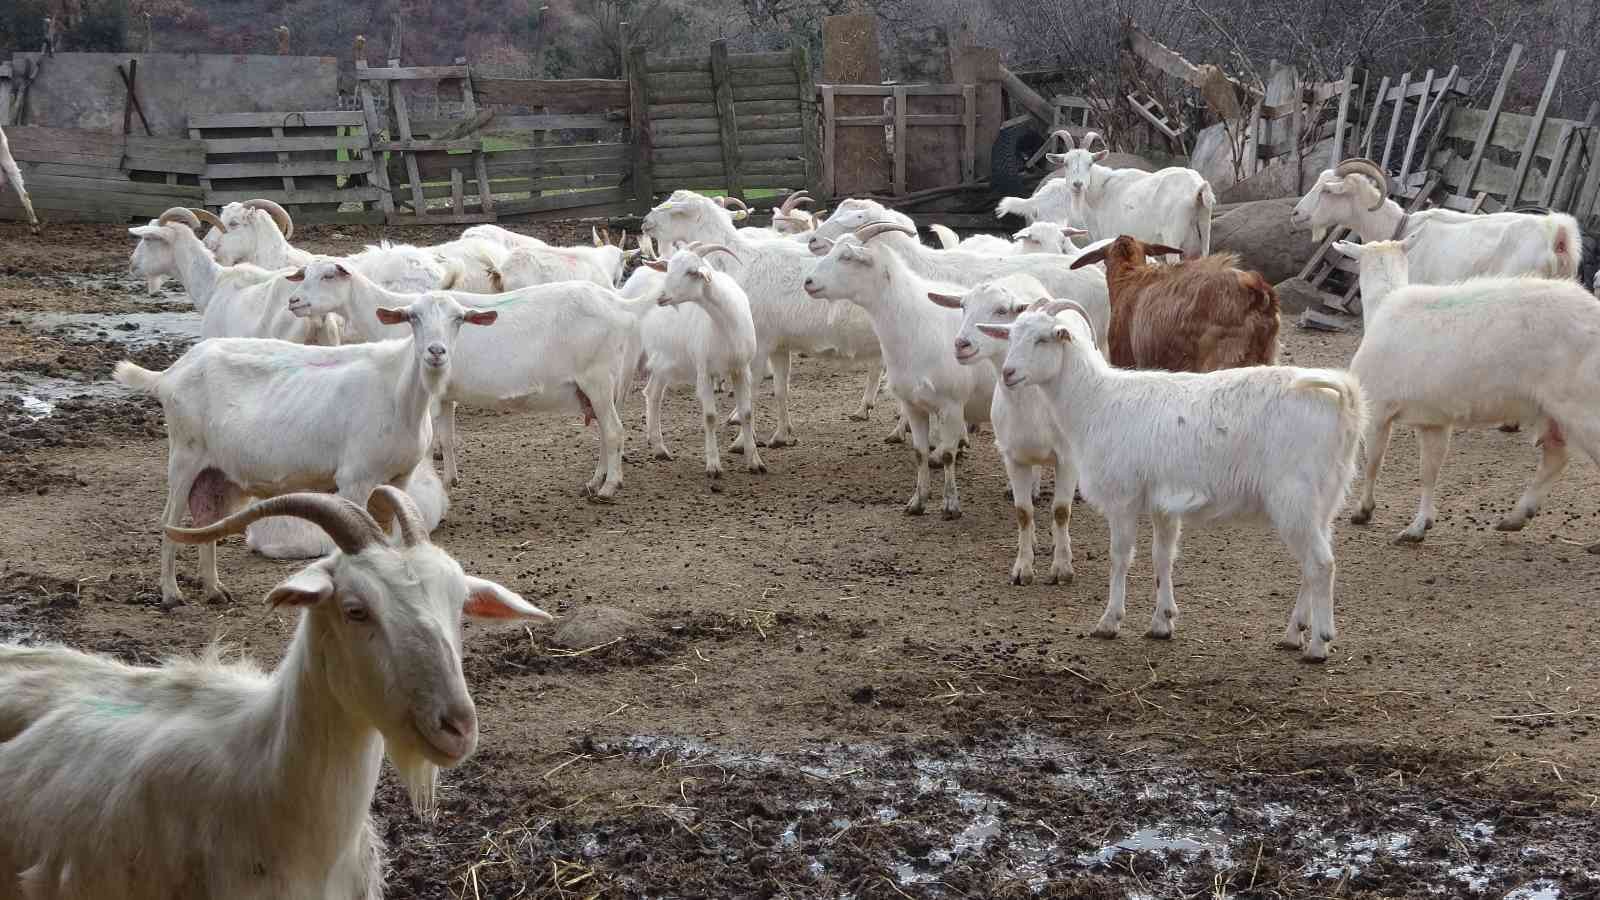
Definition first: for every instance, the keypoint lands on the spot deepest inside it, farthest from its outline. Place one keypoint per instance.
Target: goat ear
(1062, 333)
(1339, 185)
(660, 265)
(703, 274)
(480, 317)
(343, 272)
(297, 275)
(1162, 250)
(948, 301)
(148, 231)
(1098, 254)
(487, 600)
(1072, 232)
(307, 587)
(1000, 332)
(393, 316)
(1056, 159)
(1099, 155)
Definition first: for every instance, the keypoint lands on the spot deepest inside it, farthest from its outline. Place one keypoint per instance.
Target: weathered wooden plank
(293, 167)
(45, 182)
(1336, 152)
(562, 201)
(735, 60)
(1547, 197)
(1394, 123)
(480, 171)
(340, 195)
(216, 146)
(969, 133)
(913, 120)
(727, 126)
(703, 170)
(515, 124)
(741, 92)
(1488, 123)
(1372, 119)
(708, 109)
(1537, 125)
(308, 119)
(671, 127)
(436, 190)
(1417, 122)
(666, 83)
(1511, 130)
(771, 136)
(412, 73)
(900, 95)
(458, 192)
(698, 139)
(543, 160)
(714, 154)
(408, 144)
(564, 96)
(379, 173)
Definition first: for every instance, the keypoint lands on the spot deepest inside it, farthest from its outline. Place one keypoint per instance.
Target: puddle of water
(39, 395)
(1165, 838)
(1543, 889)
(130, 329)
(35, 408)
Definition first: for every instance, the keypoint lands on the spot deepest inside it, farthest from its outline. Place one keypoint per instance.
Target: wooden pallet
(404, 144)
(290, 158)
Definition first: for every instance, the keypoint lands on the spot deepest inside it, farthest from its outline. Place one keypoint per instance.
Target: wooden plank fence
(901, 120)
(75, 175)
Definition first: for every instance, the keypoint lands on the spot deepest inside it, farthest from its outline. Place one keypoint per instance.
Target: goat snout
(811, 287)
(436, 354)
(964, 348)
(454, 734)
(1011, 376)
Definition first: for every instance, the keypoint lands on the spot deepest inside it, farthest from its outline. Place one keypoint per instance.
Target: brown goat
(1197, 316)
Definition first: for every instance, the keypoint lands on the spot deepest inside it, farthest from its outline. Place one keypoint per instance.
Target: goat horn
(388, 502)
(179, 214)
(1065, 137)
(208, 217)
(278, 214)
(872, 229)
(594, 234)
(1091, 137)
(1361, 166)
(794, 200)
(708, 249)
(729, 202)
(1055, 306)
(350, 527)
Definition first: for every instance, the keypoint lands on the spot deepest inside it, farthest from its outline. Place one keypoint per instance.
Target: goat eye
(359, 614)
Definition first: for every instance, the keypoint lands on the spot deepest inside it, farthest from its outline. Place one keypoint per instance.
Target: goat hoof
(219, 596)
(1314, 654)
(664, 454)
(1409, 537)
(1021, 576)
(779, 441)
(1361, 517)
(894, 437)
(757, 467)
(1594, 548)
(1284, 643)
(172, 601)
(713, 472)
(860, 416)
(1104, 632)
(438, 454)
(1510, 428)
(914, 508)
(1510, 524)
(1062, 576)
(952, 514)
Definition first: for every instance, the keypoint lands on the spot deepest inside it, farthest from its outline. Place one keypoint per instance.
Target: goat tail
(137, 377)
(1352, 406)
(1205, 200)
(947, 238)
(1566, 245)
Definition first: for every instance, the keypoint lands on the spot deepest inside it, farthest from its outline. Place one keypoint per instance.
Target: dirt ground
(821, 697)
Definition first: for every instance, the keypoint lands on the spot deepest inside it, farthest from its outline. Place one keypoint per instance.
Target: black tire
(1012, 149)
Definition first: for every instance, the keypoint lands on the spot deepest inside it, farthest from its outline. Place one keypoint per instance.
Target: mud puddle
(133, 330)
(1024, 816)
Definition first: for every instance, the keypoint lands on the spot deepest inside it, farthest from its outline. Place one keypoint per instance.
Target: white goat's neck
(718, 305)
(366, 296)
(1378, 224)
(1084, 393)
(1381, 274)
(322, 758)
(197, 268)
(273, 250)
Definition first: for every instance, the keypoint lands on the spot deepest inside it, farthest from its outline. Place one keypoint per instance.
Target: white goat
(1170, 206)
(234, 301)
(1048, 237)
(1087, 286)
(11, 173)
(702, 332)
(258, 231)
(1455, 246)
(977, 243)
(1025, 429)
(916, 338)
(264, 417)
(555, 347)
(475, 262)
(1475, 353)
(1273, 443)
(771, 272)
(603, 263)
(212, 780)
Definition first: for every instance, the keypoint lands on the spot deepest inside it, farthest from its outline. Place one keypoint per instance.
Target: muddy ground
(820, 697)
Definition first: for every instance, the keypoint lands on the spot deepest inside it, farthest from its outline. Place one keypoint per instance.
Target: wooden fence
(76, 176)
(930, 148)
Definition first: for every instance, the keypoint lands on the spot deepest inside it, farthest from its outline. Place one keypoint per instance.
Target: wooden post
(727, 122)
(402, 118)
(1296, 123)
(1253, 141)
(1563, 143)
(1394, 120)
(899, 185)
(1512, 58)
(639, 129)
(859, 163)
(810, 143)
(1372, 119)
(1425, 113)
(969, 133)
(1337, 152)
(1526, 159)
(1416, 125)
(1587, 199)
(1567, 186)
(829, 145)
(980, 67)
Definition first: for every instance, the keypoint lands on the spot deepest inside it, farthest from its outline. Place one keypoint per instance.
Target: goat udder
(588, 408)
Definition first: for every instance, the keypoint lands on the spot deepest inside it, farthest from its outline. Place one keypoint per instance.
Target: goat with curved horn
(208, 217)
(180, 214)
(388, 502)
(872, 229)
(279, 215)
(350, 527)
(1065, 137)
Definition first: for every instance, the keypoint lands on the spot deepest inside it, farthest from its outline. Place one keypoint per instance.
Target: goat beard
(420, 777)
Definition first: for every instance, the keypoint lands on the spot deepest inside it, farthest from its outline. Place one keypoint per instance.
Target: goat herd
(1150, 385)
